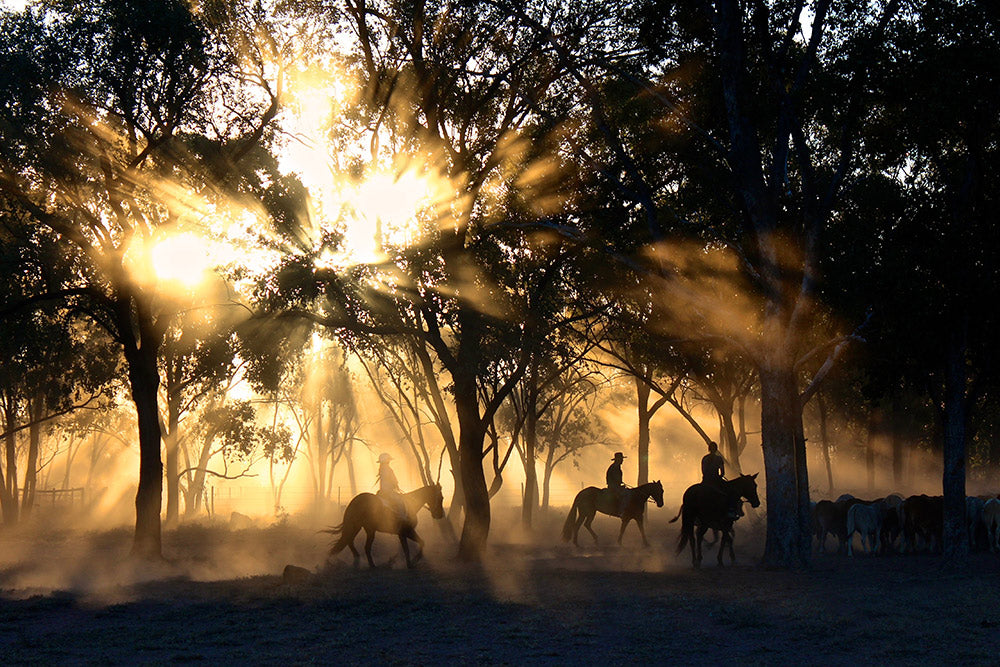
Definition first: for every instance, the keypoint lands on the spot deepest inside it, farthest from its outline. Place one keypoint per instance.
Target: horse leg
(368, 546)
(576, 528)
(732, 538)
(621, 532)
(420, 546)
(586, 524)
(406, 549)
(698, 539)
(354, 550)
(722, 548)
(642, 530)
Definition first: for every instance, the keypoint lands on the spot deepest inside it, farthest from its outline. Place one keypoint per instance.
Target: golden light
(184, 259)
(385, 210)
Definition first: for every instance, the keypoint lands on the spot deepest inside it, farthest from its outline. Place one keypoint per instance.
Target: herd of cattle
(905, 525)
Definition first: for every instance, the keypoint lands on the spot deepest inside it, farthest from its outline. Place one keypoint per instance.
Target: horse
(706, 507)
(369, 512)
(592, 500)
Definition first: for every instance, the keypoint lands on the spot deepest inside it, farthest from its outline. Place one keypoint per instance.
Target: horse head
(748, 489)
(436, 502)
(656, 493)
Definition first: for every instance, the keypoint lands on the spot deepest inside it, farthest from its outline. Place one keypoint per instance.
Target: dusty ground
(71, 597)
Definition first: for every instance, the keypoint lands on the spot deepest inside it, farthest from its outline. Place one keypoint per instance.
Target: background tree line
(768, 206)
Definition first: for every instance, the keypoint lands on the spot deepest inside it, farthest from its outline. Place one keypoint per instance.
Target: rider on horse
(713, 471)
(614, 478)
(388, 489)
(713, 467)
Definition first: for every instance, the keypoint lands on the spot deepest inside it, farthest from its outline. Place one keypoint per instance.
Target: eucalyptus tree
(936, 138)
(756, 138)
(48, 365)
(97, 97)
(449, 90)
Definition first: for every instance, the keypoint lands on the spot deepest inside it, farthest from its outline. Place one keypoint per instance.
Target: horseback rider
(614, 479)
(713, 471)
(713, 467)
(388, 489)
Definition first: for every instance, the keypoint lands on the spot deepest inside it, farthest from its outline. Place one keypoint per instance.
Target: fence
(59, 497)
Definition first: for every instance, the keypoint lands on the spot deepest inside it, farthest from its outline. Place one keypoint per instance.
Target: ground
(72, 597)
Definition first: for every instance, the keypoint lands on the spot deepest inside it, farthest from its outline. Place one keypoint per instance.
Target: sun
(385, 210)
(183, 259)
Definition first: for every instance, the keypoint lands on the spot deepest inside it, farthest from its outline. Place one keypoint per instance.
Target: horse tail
(567, 531)
(682, 541)
(341, 543)
(678, 515)
(335, 530)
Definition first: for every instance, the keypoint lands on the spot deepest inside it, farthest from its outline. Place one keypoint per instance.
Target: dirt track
(70, 598)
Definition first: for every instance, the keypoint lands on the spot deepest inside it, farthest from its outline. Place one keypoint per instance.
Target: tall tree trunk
(896, 441)
(824, 438)
(36, 408)
(644, 415)
(352, 480)
(783, 442)
(547, 476)
(530, 500)
(471, 435)
(956, 409)
(730, 441)
(9, 496)
(875, 420)
(144, 379)
(172, 458)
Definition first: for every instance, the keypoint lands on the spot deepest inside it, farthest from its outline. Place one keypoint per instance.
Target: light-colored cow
(991, 519)
(866, 520)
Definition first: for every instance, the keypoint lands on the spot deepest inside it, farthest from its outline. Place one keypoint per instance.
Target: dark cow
(829, 518)
(923, 517)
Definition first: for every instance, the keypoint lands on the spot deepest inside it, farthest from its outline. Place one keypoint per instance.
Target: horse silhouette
(592, 500)
(707, 507)
(369, 512)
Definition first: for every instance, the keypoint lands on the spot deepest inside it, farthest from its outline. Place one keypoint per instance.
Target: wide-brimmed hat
(384, 457)
(619, 455)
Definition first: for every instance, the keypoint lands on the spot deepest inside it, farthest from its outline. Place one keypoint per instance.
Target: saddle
(734, 506)
(616, 498)
(394, 505)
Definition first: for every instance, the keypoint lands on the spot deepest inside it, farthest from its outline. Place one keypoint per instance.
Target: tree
(49, 365)
(98, 98)
(752, 179)
(441, 94)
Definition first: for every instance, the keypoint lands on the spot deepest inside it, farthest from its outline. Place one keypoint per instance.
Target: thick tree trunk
(955, 541)
(783, 442)
(472, 433)
(144, 379)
